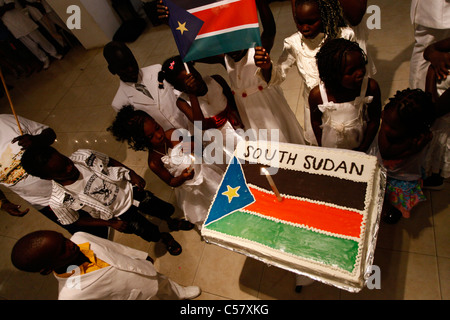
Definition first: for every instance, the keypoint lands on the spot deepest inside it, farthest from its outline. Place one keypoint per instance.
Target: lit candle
(191, 167)
(272, 184)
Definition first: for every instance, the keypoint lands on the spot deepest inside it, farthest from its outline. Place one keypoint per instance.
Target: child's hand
(137, 180)
(191, 84)
(188, 174)
(163, 11)
(262, 58)
(441, 64)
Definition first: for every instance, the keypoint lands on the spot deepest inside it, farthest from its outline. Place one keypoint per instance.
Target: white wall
(99, 21)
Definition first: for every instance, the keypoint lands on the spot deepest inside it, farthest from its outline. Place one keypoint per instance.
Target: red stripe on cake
(313, 215)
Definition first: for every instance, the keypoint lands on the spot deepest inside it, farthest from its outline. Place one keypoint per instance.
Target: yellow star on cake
(182, 27)
(231, 193)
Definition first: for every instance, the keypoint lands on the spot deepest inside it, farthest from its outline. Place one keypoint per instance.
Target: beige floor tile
(403, 277)
(441, 217)
(444, 277)
(228, 274)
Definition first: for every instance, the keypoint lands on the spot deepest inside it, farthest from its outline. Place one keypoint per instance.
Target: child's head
(174, 71)
(44, 251)
(409, 114)
(47, 163)
(137, 128)
(341, 64)
(121, 61)
(315, 16)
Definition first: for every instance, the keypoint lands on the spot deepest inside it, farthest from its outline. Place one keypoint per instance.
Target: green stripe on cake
(297, 241)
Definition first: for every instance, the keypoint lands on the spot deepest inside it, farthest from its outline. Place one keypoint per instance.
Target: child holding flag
(206, 99)
(317, 21)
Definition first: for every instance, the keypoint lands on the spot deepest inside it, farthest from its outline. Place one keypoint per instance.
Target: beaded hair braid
(331, 15)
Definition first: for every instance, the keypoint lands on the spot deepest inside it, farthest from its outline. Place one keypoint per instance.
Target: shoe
(191, 292)
(172, 245)
(392, 216)
(46, 64)
(180, 224)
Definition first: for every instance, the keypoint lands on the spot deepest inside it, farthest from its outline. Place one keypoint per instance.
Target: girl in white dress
(194, 182)
(317, 21)
(207, 101)
(346, 105)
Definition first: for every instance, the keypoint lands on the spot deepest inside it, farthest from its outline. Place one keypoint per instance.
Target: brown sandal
(172, 245)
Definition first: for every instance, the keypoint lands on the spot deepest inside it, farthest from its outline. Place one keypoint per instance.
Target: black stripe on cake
(316, 187)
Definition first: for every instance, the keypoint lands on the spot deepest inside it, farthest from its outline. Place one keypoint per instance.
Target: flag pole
(10, 102)
(187, 68)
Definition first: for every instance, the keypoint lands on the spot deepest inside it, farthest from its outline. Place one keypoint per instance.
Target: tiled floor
(74, 96)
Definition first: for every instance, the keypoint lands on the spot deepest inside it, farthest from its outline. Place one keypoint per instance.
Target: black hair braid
(332, 17)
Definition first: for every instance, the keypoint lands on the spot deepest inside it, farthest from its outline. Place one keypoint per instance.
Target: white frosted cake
(325, 225)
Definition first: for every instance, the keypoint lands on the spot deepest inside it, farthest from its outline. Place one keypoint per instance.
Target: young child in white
(194, 182)
(317, 21)
(346, 106)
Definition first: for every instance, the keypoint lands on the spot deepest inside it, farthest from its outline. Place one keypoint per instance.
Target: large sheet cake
(325, 225)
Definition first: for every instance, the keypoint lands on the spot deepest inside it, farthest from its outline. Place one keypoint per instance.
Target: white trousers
(424, 36)
(37, 43)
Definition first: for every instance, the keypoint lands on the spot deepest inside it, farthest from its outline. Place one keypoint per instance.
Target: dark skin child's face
(60, 168)
(354, 71)
(125, 66)
(154, 132)
(308, 20)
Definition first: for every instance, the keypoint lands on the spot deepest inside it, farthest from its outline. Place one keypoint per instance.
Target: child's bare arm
(156, 165)
(316, 115)
(374, 113)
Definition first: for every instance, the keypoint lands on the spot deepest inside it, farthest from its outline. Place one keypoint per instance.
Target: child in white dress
(346, 106)
(207, 100)
(194, 182)
(316, 21)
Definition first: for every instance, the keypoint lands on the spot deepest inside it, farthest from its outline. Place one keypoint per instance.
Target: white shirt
(105, 192)
(162, 106)
(128, 277)
(16, 21)
(32, 189)
(431, 13)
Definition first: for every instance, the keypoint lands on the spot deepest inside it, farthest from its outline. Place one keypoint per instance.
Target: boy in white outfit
(92, 268)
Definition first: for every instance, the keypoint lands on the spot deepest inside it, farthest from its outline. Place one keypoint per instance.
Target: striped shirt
(106, 191)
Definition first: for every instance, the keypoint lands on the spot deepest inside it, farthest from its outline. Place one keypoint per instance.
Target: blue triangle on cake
(233, 193)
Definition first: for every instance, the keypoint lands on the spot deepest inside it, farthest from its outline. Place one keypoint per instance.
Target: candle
(192, 163)
(272, 184)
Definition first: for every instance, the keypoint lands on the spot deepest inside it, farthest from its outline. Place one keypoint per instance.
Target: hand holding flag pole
(10, 102)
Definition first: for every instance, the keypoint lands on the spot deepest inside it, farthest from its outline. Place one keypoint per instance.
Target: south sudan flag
(228, 25)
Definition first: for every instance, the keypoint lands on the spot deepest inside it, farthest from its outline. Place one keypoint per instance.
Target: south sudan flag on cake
(325, 225)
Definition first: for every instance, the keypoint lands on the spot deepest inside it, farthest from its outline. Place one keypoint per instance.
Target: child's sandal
(173, 247)
(180, 224)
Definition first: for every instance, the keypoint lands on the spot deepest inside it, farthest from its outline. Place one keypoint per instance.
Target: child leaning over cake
(401, 145)
(171, 160)
(346, 105)
(207, 100)
(317, 21)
